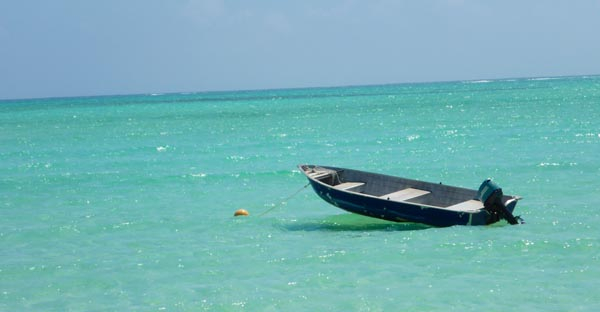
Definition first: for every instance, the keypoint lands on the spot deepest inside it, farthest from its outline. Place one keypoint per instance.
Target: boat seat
(318, 174)
(469, 205)
(405, 194)
(348, 186)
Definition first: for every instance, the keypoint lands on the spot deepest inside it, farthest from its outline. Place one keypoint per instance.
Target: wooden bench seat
(319, 174)
(348, 186)
(405, 194)
(469, 205)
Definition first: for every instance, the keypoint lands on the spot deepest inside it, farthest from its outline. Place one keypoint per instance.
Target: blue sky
(78, 47)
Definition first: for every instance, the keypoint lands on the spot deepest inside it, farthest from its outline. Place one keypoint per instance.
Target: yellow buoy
(240, 212)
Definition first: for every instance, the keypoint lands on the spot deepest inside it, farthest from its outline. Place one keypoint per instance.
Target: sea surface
(125, 203)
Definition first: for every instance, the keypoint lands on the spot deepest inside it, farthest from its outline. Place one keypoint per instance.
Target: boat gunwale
(427, 206)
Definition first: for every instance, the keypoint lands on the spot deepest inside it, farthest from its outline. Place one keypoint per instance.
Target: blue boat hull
(396, 211)
(399, 211)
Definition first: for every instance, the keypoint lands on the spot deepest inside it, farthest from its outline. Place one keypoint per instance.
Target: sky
(65, 48)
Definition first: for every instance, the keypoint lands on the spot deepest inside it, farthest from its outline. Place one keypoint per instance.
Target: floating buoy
(240, 212)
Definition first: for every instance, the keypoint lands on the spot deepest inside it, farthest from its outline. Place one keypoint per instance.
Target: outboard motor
(490, 194)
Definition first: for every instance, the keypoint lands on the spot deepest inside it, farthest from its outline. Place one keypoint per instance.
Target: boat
(405, 200)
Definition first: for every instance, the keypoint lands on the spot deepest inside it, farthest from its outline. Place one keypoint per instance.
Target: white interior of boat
(469, 205)
(348, 186)
(405, 194)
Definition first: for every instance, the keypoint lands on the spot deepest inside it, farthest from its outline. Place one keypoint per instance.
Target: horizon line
(291, 88)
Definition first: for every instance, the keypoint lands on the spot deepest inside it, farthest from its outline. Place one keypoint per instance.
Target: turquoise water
(126, 202)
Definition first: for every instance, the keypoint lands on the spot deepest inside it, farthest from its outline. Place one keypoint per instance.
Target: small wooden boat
(405, 200)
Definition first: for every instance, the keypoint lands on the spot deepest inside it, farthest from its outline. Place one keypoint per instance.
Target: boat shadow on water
(352, 223)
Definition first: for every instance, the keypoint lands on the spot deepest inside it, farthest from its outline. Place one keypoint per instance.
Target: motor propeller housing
(490, 194)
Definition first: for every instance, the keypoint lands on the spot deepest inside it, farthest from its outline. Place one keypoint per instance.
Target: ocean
(125, 203)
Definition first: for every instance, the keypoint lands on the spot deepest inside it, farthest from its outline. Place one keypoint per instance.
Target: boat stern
(496, 203)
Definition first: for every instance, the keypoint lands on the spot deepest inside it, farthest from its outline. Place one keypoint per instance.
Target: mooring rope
(283, 202)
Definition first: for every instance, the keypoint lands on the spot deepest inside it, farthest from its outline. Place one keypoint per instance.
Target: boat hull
(398, 211)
